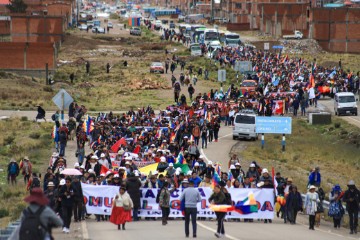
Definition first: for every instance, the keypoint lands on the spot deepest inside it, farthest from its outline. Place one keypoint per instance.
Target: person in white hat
(163, 165)
(171, 170)
(197, 168)
(352, 199)
(311, 202)
(50, 194)
(265, 176)
(94, 165)
(252, 173)
(76, 165)
(104, 161)
(209, 170)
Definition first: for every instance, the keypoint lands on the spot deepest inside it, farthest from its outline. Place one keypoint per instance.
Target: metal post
(262, 141)
(47, 74)
(283, 142)
(62, 105)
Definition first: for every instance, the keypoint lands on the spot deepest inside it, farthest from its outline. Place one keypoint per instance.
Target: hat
(252, 165)
(128, 158)
(185, 181)
(152, 145)
(196, 164)
(210, 163)
(312, 187)
(37, 196)
(162, 159)
(189, 172)
(155, 172)
(51, 184)
(171, 164)
(116, 176)
(62, 182)
(55, 154)
(264, 171)
(260, 184)
(26, 158)
(201, 157)
(91, 171)
(232, 167)
(127, 163)
(102, 155)
(76, 165)
(102, 175)
(121, 152)
(109, 173)
(186, 137)
(82, 167)
(164, 141)
(136, 174)
(289, 179)
(94, 157)
(351, 183)
(237, 164)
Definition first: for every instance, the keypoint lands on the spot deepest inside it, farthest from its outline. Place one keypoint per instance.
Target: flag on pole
(215, 180)
(137, 149)
(54, 132)
(116, 146)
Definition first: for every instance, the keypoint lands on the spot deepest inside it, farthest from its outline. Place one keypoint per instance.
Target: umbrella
(71, 171)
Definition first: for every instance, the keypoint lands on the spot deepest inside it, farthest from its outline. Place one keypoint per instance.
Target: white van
(344, 103)
(195, 49)
(244, 125)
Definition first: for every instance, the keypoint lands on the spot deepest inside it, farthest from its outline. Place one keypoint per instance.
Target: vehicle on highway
(90, 24)
(157, 67)
(198, 35)
(110, 25)
(297, 35)
(244, 125)
(83, 27)
(232, 39)
(212, 48)
(211, 35)
(345, 103)
(157, 25)
(135, 31)
(195, 49)
(248, 86)
(98, 30)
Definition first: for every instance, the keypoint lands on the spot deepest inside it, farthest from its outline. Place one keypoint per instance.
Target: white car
(110, 25)
(83, 27)
(98, 30)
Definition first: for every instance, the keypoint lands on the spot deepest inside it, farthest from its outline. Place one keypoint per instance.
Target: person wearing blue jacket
(315, 177)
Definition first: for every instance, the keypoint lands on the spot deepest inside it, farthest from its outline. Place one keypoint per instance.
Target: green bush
(9, 140)
(15, 214)
(4, 212)
(34, 135)
(24, 118)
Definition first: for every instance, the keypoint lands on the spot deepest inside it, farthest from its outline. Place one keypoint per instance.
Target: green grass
(21, 138)
(334, 150)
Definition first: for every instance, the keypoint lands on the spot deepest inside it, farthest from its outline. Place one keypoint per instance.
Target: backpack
(53, 117)
(35, 183)
(31, 227)
(13, 169)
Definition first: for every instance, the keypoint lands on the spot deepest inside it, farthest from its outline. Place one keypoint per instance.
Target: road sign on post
(267, 46)
(277, 47)
(62, 100)
(279, 125)
(245, 66)
(221, 75)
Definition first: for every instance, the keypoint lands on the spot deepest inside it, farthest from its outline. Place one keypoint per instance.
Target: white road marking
(214, 231)
(202, 150)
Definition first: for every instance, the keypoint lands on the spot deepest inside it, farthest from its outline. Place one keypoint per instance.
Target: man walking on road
(191, 196)
(352, 199)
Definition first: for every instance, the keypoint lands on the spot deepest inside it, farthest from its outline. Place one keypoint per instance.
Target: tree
(17, 6)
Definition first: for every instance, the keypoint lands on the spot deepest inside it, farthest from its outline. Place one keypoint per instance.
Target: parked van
(244, 125)
(345, 103)
(195, 49)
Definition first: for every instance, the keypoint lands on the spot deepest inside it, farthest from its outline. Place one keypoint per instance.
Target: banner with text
(98, 200)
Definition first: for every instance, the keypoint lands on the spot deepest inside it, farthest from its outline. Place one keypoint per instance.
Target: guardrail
(6, 233)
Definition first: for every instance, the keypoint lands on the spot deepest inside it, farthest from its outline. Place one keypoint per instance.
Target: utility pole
(212, 10)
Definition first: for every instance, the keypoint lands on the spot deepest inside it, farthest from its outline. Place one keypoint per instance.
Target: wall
(238, 26)
(336, 30)
(27, 56)
(278, 19)
(37, 28)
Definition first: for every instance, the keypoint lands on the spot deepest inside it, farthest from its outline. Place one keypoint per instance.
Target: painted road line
(214, 231)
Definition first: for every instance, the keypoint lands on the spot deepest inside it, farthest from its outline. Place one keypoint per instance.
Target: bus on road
(211, 35)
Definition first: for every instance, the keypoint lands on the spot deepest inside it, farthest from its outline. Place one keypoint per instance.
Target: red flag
(103, 169)
(312, 81)
(137, 149)
(116, 146)
(279, 107)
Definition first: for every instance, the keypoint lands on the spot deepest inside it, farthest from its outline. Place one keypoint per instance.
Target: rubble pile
(305, 46)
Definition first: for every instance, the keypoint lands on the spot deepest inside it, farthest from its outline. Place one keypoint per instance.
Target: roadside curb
(84, 229)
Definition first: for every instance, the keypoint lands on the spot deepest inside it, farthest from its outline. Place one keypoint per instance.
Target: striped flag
(54, 132)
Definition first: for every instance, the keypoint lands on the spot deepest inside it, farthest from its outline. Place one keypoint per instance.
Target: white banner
(98, 200)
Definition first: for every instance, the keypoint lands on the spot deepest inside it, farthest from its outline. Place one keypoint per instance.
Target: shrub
(23, 118)
(34, 135)
(4, 212)
(47, 89)
(15, 214)
(9, 140)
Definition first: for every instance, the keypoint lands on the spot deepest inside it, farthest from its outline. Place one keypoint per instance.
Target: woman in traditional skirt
(121, 210)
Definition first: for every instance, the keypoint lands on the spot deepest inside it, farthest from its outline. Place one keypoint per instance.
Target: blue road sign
(280, 125)
(278, 47)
